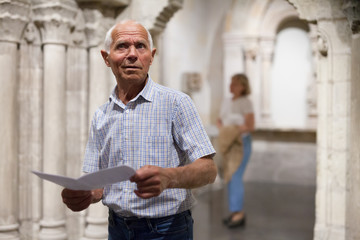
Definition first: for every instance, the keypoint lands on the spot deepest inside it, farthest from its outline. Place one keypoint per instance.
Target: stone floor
(279, 195)
(274, 212)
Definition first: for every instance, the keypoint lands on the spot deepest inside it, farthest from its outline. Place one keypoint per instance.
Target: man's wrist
(96, 195)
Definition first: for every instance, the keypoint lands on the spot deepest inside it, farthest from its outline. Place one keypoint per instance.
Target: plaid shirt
(161, 127)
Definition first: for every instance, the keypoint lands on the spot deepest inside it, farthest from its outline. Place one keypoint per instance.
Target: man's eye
(121, 45)
(140, 45)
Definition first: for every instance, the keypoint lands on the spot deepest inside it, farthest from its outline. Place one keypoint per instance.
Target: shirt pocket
(158, 151)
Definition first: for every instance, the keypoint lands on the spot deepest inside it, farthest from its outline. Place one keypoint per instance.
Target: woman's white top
(233, 112)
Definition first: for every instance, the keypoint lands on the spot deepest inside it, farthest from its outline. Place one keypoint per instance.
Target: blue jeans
(236, 185)
(174, 227)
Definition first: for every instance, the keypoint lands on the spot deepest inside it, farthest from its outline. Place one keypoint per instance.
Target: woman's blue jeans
(174, 227)
(236, 185)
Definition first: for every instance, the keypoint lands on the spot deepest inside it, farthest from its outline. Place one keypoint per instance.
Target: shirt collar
(146, 93)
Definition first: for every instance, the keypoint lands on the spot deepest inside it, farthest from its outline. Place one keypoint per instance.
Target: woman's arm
(249, 124)
(219, 123)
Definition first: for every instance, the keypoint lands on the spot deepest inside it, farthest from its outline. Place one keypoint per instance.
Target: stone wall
(53, 78)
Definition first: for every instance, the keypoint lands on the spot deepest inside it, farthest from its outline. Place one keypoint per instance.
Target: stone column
(55, 31)
(96, 220)
(323, 130)
(76, 116)
(13, 18)
(30, 131)
(233, 59)
(99, 92)
(333, 130)
(53, 219)
(267, 51)
(8, 138)
(351, 8)
(251, 53)
(353, 210)
(311, 98)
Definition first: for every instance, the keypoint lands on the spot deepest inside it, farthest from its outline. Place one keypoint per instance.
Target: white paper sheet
(91, 180)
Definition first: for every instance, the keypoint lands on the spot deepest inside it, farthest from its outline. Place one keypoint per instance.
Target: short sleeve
(248, 106)
(189, 132)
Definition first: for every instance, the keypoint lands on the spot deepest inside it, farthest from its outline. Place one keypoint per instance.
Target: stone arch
(278, 13)
(249, 38)
(293, 22)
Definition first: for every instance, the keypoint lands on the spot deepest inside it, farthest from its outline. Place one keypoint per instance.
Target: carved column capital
(14, 15)
(78, 35)
(267, 46)
(99, 16)
(351, 9)
(251, 47)
(96, 25)
(55, 19)
(251, 53)
(31, 34)
(322, 45)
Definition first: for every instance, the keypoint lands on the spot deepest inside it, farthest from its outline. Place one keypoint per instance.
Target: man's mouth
(131, 67)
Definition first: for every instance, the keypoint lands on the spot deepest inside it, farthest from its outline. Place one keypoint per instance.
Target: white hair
(108, 39)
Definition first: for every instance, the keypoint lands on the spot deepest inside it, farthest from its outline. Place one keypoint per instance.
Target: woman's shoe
(239, 223)
(228, 219)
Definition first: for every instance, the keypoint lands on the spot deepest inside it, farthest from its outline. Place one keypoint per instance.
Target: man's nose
(132, 54)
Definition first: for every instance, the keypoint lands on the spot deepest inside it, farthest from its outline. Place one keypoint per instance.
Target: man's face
(130, 55)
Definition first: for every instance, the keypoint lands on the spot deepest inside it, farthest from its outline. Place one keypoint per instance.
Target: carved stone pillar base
(96, 229)
(9, 232)
(54, 230)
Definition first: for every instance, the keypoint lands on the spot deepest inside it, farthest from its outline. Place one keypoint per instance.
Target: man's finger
(68, 193)
(145, 195)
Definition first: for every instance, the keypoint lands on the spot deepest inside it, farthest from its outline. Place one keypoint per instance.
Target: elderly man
(155, 130)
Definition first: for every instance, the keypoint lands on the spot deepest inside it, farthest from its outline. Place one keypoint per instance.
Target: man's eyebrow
(126, 41)
(142, 41)
(119, 41)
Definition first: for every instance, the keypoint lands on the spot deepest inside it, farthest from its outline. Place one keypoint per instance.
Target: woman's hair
(243, 79)
(108, 38)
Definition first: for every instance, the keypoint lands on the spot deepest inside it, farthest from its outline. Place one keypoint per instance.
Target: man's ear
(105, 56)
(152, 55)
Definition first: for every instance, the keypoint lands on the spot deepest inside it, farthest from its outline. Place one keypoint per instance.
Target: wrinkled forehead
(129, 30)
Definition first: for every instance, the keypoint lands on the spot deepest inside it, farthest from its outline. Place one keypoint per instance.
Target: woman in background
(238, 111)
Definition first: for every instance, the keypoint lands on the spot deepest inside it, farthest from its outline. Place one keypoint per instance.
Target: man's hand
(80, 200)
(151, 181)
